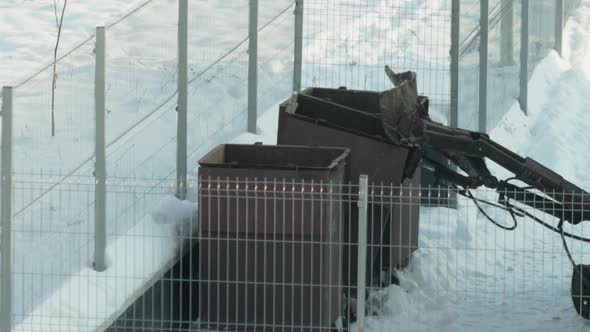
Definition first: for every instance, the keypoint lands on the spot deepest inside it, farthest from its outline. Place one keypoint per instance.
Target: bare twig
(54, 83)
(55, 3)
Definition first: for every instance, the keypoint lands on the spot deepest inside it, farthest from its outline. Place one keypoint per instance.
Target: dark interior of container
(330, 114)
(362, 110)
(366, 101)
(273, 157)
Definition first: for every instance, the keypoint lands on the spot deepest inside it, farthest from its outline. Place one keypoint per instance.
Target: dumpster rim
(340, 159)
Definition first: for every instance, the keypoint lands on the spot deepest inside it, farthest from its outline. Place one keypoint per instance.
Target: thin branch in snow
(59, 24)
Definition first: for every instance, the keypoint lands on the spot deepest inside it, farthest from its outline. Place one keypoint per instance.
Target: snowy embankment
(91, 300)
(470, 275)
(141, 121)
(88, 299)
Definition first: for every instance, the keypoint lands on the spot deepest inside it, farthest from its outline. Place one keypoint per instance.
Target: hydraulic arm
(407, 122)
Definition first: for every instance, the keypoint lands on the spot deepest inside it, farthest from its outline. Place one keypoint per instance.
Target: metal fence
(178, 82)
(349, 43)
(468, 54)
(127, 75)
(500, 44)
(284, 254)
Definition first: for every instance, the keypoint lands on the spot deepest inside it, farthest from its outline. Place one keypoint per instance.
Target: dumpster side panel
(248, 204)
(272, 279)
(402, 240)
(368, 102)
(270, 257)
(384, 162)
(265, 281)
(378, 223)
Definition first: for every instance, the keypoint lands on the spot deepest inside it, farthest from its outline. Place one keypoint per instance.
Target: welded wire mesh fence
(141, 88)
(503, 59)
(502, 62)
(349, 43)
(281, 254)
(541, 30)
(469, 65)
(504, 56)
(55, 285)
(345, 44)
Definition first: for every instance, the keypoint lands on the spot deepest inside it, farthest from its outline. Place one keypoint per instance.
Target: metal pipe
(559, 26)
(507, 34)
(362, 251)
(483, 65)
(524, 56)
(181, 124)
(298, 56)
(100, 172)
(455, 29)
(253, 66)
(6, 206)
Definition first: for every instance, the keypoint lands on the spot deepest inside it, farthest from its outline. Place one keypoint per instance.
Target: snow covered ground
(468, 275)
(53, 201)
(29, 32)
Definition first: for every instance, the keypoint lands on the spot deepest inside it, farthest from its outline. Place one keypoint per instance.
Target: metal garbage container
(368, 102)
(270, 237)
(339, 117)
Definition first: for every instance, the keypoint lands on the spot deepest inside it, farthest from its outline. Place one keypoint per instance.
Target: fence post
(253, 66)
(298, 56)
(483, 65)
(100, 172)
(362, 251)
(524, 56)
(455, 26)
(559, 26)
(181, 123)
(507, 34)
(6, 245)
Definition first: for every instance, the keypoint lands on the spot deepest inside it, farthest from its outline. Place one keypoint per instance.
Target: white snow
(29, 32)
(467, 274)
(90, 299)
(172, 210)
(470, 275)
(54, 234)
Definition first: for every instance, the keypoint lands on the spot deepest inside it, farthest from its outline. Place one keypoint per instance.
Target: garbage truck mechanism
(407, 123)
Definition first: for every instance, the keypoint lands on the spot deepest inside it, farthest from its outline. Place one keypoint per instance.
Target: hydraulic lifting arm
(407, 122)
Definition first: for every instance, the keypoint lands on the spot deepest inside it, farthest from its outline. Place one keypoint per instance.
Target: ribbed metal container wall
(338, 117)
(269, 263)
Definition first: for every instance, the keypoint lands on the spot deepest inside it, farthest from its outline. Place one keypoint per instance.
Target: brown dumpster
(339, 117)
(270, 247)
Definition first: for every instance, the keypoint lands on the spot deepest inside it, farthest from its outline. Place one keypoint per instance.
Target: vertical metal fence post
(362, 251)
(455, 22)
(100, 172)
(6, 245)
(253, 66)
(181, 123)
(507, 34)
(298, 56)
(524, 56)
(559, 26)
(483, 65)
